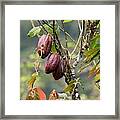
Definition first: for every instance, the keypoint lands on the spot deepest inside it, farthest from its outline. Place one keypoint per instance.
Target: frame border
(2, 58)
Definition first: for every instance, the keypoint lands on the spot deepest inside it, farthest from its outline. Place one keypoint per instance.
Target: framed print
(60, 59)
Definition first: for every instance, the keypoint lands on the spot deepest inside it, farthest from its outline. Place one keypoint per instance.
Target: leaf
(95, 42)
(53, 49)
(70, 87)
(91, 54)
(36, 96)
(97, 77)
(67, 21)
(91, 51)
(32, 80)
(72, 81)
(34, 31)
(50, 30)
(83, 67)
(94, 71)
(94, 68)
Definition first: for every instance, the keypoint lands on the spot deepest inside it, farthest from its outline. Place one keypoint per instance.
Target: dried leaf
(94, 70)
(32, 80)
(53, 95)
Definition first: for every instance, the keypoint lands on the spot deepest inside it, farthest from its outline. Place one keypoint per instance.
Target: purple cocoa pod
(44, 45)
(52, 63)
(59, 72)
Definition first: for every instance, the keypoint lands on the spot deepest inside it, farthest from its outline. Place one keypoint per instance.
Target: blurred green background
(46, 81)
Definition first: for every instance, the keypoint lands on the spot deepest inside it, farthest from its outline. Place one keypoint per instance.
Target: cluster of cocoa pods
(55, 63)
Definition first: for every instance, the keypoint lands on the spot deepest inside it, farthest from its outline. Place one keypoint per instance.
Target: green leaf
(95, 42)
(95, 54)
(91, 54)
(67, 21)
(34, 31)
(70, 87)
(91, 51)
(72, 81)
(50, 30)
(53, 49)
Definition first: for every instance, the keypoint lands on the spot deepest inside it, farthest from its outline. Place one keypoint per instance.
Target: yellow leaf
(32, 80)
(94, 70)
(97, 77)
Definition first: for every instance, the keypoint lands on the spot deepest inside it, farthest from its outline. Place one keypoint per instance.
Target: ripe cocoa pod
(52, 63)
(59, 72)
(44, 45)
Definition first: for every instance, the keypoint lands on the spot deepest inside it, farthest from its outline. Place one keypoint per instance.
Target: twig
(66, 33)
(79, 38)
(47, 24)
(32, 23)
(53, 29)
(42, 26)
(54, 40)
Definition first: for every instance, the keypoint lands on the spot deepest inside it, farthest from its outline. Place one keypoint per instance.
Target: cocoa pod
(44, 45)
(52, 63)
(59, 72)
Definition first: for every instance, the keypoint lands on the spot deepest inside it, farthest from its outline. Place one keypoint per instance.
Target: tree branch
(79, 38)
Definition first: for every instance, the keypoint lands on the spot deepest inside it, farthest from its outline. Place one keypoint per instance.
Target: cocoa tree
(62, 62)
